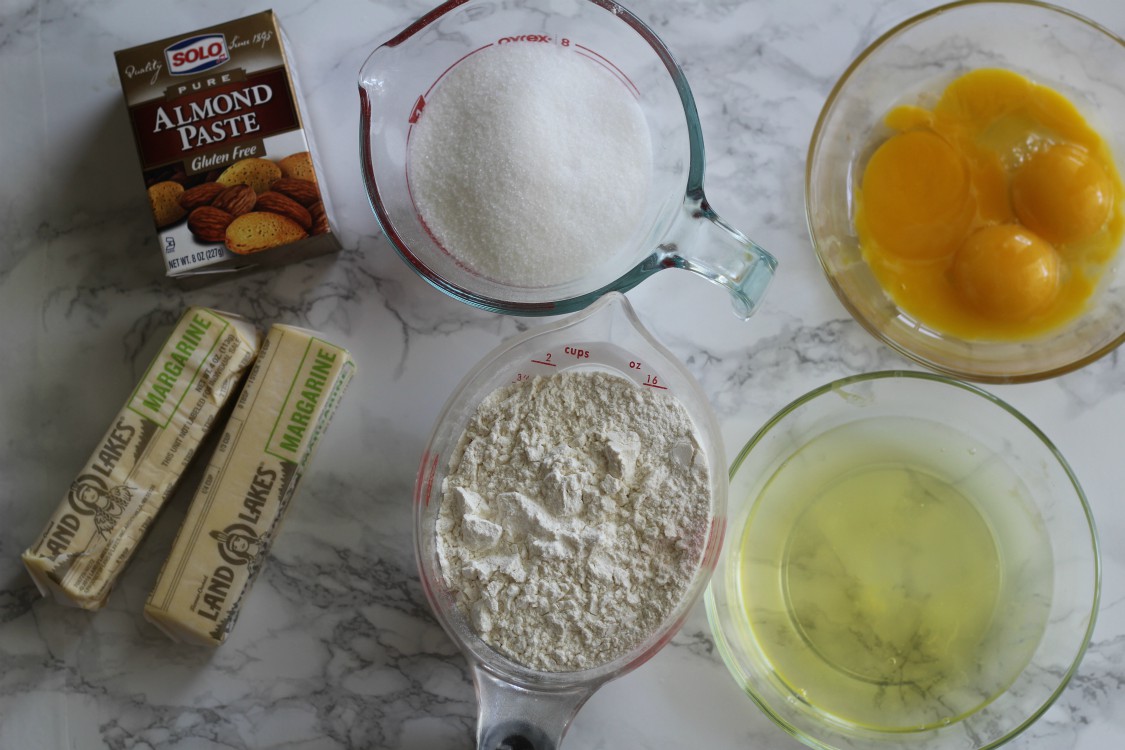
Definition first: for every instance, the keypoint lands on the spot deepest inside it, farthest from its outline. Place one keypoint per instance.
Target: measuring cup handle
(700, 241)
(510, 717)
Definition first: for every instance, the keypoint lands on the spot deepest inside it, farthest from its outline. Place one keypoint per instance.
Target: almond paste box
(230, 171)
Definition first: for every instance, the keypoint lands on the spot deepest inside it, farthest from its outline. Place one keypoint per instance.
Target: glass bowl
(1046, 44)
(518, 704)
(909, 563)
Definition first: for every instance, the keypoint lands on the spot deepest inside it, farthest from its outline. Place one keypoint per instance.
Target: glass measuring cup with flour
(527, 157)
(568, 513)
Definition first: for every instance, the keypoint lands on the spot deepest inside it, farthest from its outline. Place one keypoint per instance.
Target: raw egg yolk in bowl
(993, 214)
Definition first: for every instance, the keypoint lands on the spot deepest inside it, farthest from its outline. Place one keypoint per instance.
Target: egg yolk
(916, 188)
(992, 214)
(1006, 272)
(1062, 194)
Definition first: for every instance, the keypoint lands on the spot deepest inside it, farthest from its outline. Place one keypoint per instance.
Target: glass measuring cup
(520, 707)
(678, 229)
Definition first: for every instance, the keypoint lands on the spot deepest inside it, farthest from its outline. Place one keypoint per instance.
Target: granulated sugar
(530, 163)
(573, 517)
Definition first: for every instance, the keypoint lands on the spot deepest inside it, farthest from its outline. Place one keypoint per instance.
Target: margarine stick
(283, 409)
(136, 466)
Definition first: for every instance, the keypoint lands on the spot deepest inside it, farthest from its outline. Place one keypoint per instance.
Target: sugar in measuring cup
(527, 708)
(673, 225)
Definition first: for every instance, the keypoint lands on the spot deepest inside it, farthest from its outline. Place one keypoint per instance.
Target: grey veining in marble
(336, 647)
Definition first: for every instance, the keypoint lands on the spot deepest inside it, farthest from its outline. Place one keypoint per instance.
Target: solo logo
(196, 54)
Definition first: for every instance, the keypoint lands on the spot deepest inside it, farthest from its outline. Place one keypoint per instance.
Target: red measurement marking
(417, 111)
(714, 543)
(541, 362)
(427, 469)
(613, 68)
(654, 385)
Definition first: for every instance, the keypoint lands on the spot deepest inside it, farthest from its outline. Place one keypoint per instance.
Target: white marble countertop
(337, 647)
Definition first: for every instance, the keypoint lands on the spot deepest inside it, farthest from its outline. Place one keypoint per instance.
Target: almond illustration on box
(252, 205)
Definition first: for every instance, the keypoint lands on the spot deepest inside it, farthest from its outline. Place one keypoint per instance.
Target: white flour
(531, 164)
(573, 517)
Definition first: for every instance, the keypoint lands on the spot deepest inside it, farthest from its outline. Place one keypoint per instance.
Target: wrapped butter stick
(136, 466)
(269, 439)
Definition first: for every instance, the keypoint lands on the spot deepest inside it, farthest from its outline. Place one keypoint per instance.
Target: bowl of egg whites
(964, 191)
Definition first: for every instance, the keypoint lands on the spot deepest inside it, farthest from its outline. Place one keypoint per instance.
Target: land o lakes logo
(89, 496)
(238, 544)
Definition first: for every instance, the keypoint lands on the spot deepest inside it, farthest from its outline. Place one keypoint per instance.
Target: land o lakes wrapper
(284, 408)
(136, 466)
